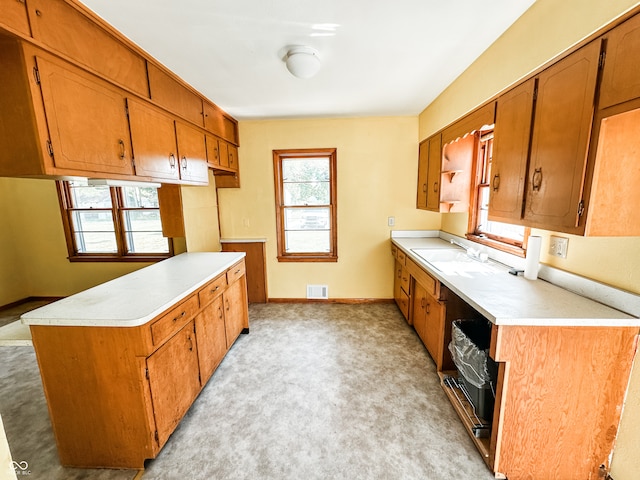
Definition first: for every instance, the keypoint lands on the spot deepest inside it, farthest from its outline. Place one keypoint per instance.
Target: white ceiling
(379, 57)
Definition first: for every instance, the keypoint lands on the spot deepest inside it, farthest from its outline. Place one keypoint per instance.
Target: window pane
(147, 242)
(310, 241)
(96, 242)
(140, 197)
(305, 170)
(142, 221)
(92, 221)
(83, 196)
(306, 219)
(312, 193)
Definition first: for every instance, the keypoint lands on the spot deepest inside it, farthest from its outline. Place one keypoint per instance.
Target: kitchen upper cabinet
(455, 176)
(174, 380)
(560, 139)
(86, 120)
(14, 16)
(219, 123)
(154, 141)
(430, 158)
(621, 75)
(174, 96)
(192, 153)
(63, 27)
(512, 133)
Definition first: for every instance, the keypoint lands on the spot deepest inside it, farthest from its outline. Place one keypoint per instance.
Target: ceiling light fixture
(302, 61)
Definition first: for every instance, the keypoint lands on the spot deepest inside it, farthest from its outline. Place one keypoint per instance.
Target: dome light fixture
(302, 61)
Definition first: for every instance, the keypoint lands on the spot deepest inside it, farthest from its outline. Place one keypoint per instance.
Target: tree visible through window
(112, 223)
(305, 184)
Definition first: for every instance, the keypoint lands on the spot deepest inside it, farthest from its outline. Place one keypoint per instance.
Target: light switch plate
(391, 221)
(558, 246)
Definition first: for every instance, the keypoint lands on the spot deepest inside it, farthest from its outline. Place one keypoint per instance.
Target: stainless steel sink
(455, 262)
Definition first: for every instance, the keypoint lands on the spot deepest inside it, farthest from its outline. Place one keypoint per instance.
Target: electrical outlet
(391, 221)
(558, 246)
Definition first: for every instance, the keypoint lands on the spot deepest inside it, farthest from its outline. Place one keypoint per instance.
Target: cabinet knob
(496, 182)
(537, 179)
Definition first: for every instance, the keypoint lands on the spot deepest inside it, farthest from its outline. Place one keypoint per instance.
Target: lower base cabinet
(115, 394)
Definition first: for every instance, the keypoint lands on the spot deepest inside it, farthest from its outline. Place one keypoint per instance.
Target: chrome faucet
(454, 242)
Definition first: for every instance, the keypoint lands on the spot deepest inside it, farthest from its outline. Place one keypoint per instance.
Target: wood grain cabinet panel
(192, 153)
(423, 168)
(561, 130)
(212, 338)
(86, 120)
(174, 380)
(219, 123)
(175, 97)
(433, 174)
(621, 75)
(235, 310)
(428, 321)
(512, 133)
(213, 151)
(65, 29)
(14, 16)
(153, 137)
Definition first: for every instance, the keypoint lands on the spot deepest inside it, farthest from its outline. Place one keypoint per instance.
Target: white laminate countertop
(138, 297)
(505, 299)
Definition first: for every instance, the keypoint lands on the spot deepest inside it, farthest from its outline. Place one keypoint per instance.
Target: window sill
(308, 258)
(504, 247)
(116, 258)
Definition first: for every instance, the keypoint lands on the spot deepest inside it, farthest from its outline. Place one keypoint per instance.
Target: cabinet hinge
(50, 148)
(146, 374)
(580, 208)
(157, 437)
(36, 75)
(603, 56)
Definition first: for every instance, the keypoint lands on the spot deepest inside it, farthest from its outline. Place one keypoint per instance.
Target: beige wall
(377, 177)
(200, 212)
(547, 29)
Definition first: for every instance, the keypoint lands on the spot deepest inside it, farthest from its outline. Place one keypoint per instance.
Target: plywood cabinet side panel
(561, 131)
(256, 267)
(14, 16)
(22, 126)
(566, 384)
(433, 174)
(236, 315)
(80, 368)
(64, 28)
(423, 168)
(614, 198)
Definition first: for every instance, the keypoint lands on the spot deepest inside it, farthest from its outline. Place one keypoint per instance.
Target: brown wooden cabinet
(14, 16)
(64, 28)
(455, 175)
(166, 91)
(86, 120)
(428, 319)
(192, 153)
(512, 135)
(174, 380)
(621, 76)
(115, 394)
(429, 164)
(154, 141)
(220, 124)
(560, 139)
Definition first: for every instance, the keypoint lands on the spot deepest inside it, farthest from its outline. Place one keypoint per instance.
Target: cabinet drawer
(235, 272)
(402, 258)
(173, 320)
(212, 290)
(394, 251)
(430, 284)
(403, 303)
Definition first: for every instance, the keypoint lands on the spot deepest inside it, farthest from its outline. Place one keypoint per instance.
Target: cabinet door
(14, 15)
(175, 97)
(87, 121)
(192, 154)
(423, 168)
(401, 290)
(434, 328)
(418, 310)
(233, 157)
(213, 151)
(235, 310)
(561, 130)
(61, 26)
(223, 151)
(510, 153)
(153, 138)
(212, 340)
(174, 380)
(621, 75)
(219, 123)
(433, 173)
